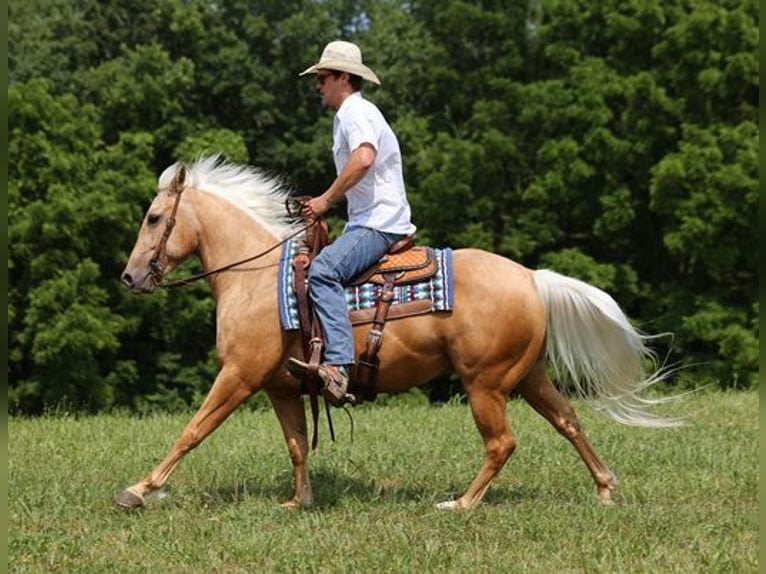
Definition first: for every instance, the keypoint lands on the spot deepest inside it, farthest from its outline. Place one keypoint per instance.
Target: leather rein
(157, 268)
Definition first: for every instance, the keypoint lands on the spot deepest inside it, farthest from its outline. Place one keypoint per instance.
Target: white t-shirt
(378, 201)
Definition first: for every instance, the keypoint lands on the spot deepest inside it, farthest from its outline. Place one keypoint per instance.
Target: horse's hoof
(447, 505)
(605, 495)
(297, 503)
(128, 499)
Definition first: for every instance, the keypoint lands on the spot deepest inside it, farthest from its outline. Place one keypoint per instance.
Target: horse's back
(497, 321)
(476, 269)
(496, 295)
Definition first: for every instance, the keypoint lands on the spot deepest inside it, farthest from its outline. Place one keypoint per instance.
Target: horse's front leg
(291, 413)
(227, 393)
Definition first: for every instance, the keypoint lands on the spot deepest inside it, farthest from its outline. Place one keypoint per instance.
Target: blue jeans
(356, 250)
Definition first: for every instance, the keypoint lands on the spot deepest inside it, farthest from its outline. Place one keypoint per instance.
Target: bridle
(156, 266)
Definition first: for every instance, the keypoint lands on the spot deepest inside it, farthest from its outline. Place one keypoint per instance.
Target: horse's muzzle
(147, 285)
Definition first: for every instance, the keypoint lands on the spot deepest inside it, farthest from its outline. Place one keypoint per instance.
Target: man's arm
(360, 161)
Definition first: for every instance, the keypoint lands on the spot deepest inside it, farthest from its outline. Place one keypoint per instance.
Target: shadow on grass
(332, 489)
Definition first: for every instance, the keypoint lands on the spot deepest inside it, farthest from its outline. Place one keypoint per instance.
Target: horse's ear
(179, 179)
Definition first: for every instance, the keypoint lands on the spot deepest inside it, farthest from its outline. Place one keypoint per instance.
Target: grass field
(687, 501)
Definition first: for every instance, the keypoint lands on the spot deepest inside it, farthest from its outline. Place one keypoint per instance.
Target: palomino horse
(227, 214)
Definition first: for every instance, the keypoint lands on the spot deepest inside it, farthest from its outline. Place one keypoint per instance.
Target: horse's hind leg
(488, 409)
(538, 390)
(226, 394)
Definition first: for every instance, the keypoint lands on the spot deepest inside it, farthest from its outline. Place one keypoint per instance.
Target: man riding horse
(369, 167)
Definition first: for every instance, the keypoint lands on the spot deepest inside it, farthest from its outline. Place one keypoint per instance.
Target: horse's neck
(227, 235)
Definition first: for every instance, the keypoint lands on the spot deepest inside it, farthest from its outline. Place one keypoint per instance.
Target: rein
(187, 280)
(156, 267)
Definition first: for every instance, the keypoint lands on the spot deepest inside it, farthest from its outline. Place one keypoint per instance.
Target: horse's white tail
(591, 343)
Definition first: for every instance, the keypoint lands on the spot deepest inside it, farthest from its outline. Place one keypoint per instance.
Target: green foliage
(614, 141)
(229, 144)
(79, 331)
(727, 340)
(708, 194)
(141, 90)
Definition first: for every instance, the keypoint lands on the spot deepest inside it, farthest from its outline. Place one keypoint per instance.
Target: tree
(707, 195)
(613, 141)
(65, 335)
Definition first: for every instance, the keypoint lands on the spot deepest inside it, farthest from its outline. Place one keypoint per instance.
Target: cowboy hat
(343, 57)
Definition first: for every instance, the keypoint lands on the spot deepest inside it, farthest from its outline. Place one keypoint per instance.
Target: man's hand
(314, 208)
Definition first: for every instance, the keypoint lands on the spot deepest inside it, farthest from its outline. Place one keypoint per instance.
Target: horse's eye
(153, 218)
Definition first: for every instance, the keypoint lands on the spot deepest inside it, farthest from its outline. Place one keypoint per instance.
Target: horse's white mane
(260, 195)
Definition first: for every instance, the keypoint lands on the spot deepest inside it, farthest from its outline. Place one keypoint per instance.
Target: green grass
(687, 500)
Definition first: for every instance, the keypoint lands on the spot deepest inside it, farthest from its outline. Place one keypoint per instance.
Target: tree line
(614, 141)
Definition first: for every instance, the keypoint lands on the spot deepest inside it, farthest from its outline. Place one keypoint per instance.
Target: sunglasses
(322, 78)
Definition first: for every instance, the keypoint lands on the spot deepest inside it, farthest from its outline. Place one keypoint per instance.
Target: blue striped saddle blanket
(364, 298)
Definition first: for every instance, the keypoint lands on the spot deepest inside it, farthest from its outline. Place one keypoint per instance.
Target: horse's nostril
(127, 279)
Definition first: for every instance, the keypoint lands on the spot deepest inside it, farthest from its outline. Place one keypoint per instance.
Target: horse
(508, 324)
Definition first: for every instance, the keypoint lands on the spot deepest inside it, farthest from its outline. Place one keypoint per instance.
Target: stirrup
(335, 386)
(334, 383)
(297, 369)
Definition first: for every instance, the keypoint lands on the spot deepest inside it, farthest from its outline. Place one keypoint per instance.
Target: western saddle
(404, 264)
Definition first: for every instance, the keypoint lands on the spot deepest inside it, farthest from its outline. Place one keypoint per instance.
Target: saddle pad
(438, 289)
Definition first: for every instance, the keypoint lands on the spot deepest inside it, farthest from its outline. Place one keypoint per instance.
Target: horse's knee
(188, 441)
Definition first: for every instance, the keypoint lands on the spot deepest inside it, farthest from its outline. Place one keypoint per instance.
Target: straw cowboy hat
(343, 57)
